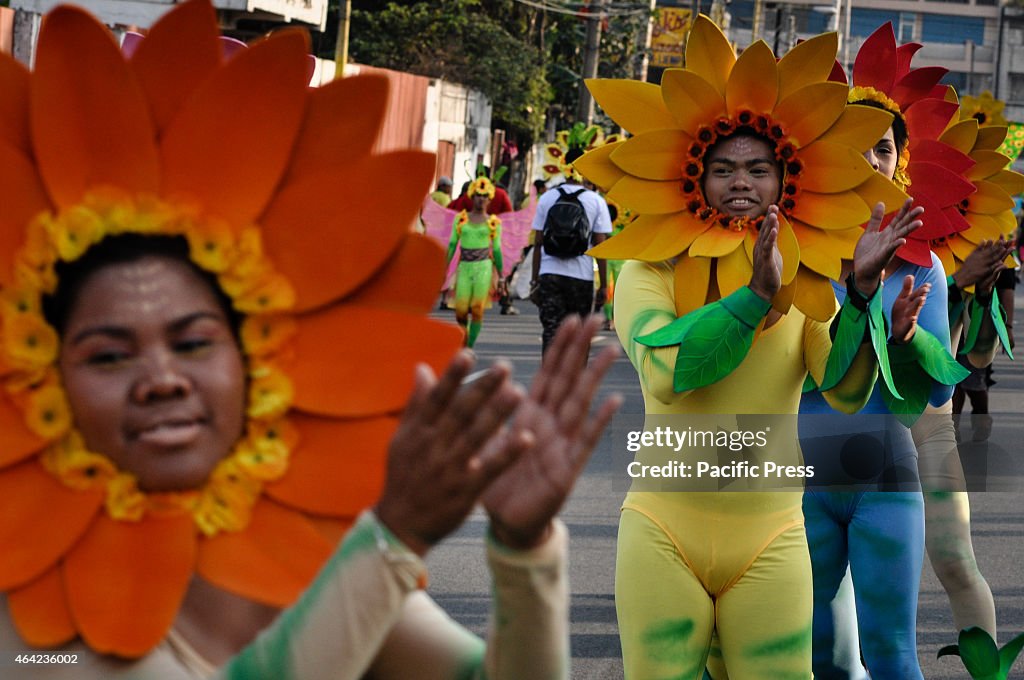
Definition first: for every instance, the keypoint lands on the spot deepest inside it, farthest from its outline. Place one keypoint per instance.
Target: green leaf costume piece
(993, 310)
(849, 335)
(713, 340)
(915, 365)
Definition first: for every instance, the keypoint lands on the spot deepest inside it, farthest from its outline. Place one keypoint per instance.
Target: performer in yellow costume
(748, 180)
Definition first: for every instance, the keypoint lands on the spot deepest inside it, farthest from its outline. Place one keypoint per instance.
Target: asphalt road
(460, 582)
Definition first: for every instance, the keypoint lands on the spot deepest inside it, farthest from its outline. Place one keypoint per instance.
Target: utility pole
(341, 46)
(592, 51)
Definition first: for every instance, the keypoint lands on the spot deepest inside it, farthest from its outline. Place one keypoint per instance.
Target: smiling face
(883, 156)
(152, 371)
(741, 176)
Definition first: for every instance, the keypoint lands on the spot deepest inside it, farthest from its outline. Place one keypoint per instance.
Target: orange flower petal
(709, 54)
(629, 243)
(338, 467)
(989, 199)
(409, 281)
(962, 135)
(90, 122)
(1011, 182)
(816, 250)
(19, 441)
(789, 248)
(879, 189)
(782, 301)
(271, 561)
(832, 168)
(814, 295)
(690, 283)
(42, 518)
(343, 119)
(39, 610)
(379, 348)
(716, 242)
(753, 83)
(125, 581)
(961, 248)
(982, 227)
(811, 110)
(597, 166)
(859, 126)
(657, 155)
(633, 105)
(180, 51)
(987, 163)
(24, 197)
(990, 137)
(673, 234)
(656, 198)
(333, 208)
(14, 79)
(692, 100)
(733, 272)
(945, 255)
(832, 211)
(808, 62)
(231, 163)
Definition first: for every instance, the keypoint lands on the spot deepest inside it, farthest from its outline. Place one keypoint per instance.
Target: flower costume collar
(828, 188)
(93, 145)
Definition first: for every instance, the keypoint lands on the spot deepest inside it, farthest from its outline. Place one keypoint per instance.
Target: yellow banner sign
(669, 36)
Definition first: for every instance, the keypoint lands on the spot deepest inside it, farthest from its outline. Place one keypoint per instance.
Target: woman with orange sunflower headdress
(202, 369)
(740, 169)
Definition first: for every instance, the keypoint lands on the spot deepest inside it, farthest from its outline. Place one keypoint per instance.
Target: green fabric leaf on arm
(977, 314)
(999, 321)
(929, 352)
(674, 332)
(809, 384)
(916, 387)
(880, 341)
(849, 335)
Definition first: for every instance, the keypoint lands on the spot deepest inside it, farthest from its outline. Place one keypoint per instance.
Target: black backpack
(567, 227)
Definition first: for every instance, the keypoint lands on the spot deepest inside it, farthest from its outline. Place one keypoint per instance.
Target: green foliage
(981, 657)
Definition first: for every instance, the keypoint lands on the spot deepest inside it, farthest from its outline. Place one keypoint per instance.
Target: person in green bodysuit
(479, 237)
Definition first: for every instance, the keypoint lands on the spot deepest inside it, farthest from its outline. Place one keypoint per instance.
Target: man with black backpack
(570, 220)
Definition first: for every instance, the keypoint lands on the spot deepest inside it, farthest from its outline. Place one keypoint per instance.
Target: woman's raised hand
(876, 246)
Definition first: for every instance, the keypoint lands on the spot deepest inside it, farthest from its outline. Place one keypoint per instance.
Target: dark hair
(122, 249)
(899, 126)
(540, 183)
(572, 154)
(743, 131)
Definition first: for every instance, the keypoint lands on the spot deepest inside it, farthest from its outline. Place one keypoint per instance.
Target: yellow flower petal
(709, 54)
(814, 295)
(809, 62)
(961, 248)
(990, 137)
(48, 413)
(691, 100)
(657, 155)
(832, 211)
(790, 250)
(986, 163)
(265, 334)
(124, 500)
(1010, 181)
(690, 283)
(633, 105)
(753, 83)
(859, 126)
(597, 166)
(673, 234)
(733, 271)
(879, 189)
(816, 250)
(831, 168)
(270, 393)
(945, 255)
(961, 136)
(717, 242)
(654, 198)
(810, 111)
(29, 342)
(989, 199)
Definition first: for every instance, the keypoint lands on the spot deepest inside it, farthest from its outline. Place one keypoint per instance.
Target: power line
(546, 6)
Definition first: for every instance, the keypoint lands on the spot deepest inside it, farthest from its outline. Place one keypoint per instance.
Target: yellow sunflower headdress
(828, 188)
(93, 145)
(579, 136)
(481, 185)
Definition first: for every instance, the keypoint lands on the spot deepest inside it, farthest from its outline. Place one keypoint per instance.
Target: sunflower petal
(42, 519)
(39, 610)
(789, 248)
(633, 105)
(327, 208)
(933, 151)
(673, 234)
(597, 166)
(717, 242)
(916, 252)
(230, 164)
(409, 281)
(816, 251)
(180, 51)
(733, 271)
(810, 111)
(945, 255)
(692, 100)
(381, 348)
(24, 197)
(832, 211)
(873, 66)
(990, 137)
(989, 199)
(630, 243)
(648, 196)
(338, 467)
(916, 85)
(656, 155)
(754, 82)
(343, 120)
(814, 295)
(90, 122)
(709, 54)
(1011, 182)
(128, 609)
(982, 227)
(859, 126)
(961, 136)
(690, 283)
(14, 79)
(809, 62)
(831, 168)
(879, 189)
(987, 163)
(927, 119)
(271, 561)
(782, 302)
(19, 442)
(940, 185)
(961, 247)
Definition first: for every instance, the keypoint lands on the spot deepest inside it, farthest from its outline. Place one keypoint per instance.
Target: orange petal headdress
(91, 145)
(828, 189)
